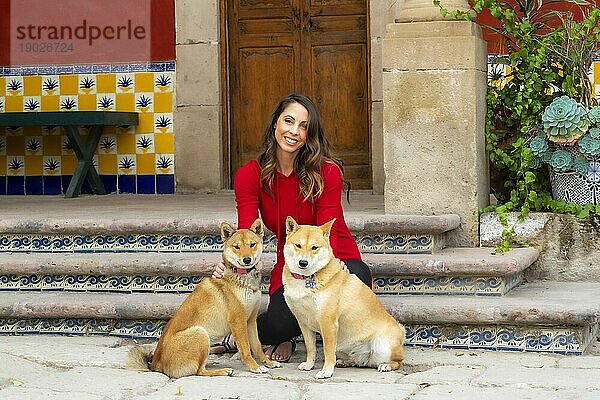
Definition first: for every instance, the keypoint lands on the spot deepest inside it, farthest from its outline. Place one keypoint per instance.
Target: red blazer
(286, 200)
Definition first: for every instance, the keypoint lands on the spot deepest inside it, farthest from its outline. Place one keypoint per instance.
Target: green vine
(549, 54)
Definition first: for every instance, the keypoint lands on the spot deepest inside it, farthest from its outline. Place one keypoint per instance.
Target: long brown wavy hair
(310, 157)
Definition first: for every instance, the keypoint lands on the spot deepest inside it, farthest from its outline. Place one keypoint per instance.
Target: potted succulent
(568, 141)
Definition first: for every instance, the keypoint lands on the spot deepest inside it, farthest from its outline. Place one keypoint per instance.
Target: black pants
(278, 324)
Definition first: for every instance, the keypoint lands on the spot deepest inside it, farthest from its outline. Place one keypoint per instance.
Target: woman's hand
(219, 271)
(344, 267)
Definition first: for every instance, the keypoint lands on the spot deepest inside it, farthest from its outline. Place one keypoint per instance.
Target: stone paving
(60, 367)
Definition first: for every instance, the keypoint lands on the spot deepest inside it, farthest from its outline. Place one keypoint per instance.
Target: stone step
(188, 223)
(451, 271)
(551, 317)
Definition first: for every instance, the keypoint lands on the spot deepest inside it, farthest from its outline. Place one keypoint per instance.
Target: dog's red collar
(309, 281)
(298, 276)
(242, 271)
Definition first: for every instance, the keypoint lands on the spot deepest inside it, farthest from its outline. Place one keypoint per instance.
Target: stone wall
(198, 99)
(569, 246)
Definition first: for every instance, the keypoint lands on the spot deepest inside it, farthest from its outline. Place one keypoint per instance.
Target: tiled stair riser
(368, 243)
(560, 340)
(481, 286)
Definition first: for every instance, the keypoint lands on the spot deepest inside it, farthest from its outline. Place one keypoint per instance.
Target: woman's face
(291, 128)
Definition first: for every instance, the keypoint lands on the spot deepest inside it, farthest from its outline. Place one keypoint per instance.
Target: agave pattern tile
(483, 286)
(395, 244)
(568, 340)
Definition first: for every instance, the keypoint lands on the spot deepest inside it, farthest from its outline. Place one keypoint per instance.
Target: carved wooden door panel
(316, 47)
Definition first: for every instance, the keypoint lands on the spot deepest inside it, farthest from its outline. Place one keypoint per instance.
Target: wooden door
(315, 47)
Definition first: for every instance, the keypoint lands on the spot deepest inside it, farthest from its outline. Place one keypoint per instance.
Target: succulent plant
(561, 161)
(594, 115)
(590, 146)
(565, 121)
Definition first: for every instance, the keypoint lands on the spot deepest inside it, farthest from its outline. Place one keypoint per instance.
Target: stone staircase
(80, 267)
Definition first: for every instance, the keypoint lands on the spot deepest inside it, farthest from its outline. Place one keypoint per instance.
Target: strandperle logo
(84, 31)
(79, 31)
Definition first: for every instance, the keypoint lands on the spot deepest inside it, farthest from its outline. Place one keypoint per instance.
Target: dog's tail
(139, 359)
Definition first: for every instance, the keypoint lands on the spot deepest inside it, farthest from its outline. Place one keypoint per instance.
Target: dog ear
(326, 228)
(258, 227)
(227, 231)
(291, 225)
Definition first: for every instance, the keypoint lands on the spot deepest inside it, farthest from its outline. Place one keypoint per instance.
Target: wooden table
(72, 121)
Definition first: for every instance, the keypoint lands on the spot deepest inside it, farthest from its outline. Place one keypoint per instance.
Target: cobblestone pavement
(60, 367)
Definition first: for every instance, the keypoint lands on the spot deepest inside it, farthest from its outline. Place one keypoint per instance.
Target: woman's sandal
(293, 342)
(228, 345)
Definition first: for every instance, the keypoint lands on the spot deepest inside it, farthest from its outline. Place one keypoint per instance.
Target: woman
(296, 175)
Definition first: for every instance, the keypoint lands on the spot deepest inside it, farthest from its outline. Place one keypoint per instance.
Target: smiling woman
(295, 175)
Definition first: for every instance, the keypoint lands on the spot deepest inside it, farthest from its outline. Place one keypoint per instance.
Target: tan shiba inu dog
(324, 298)
(214, 309)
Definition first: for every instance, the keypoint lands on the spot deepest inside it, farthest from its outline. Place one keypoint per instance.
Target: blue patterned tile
(33, 185)
(138, 67)
(64, 69)
(110, 183)
(146, 184)
(126, 184)
(82, 69)
(103, 68)
(52, 185)
(157, 67)
(443, 285)
(15, 185)
(119, 68)
(47, 70)
(502, 338)
(165, 184)
(27, 71)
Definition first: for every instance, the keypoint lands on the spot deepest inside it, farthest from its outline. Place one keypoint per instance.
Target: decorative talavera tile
(481, 286)
(392, 243)
(570, 340)
(129, 329)
(100, 283)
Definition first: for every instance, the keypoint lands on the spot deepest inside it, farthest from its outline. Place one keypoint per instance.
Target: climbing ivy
(549, 54)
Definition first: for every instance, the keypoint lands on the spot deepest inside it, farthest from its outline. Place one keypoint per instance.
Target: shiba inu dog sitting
(354, 325)
(214, 309)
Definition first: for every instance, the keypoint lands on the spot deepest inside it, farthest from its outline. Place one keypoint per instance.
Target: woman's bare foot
(281, 352)
(227, 345)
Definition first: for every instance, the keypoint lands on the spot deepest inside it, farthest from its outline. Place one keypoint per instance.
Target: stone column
(198, 150)
(434, 84)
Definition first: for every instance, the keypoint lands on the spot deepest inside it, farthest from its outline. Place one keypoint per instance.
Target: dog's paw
(306, 366)
(273, 364)
(324, 374)
(343, 363)
(260, 370)
(383, 367)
